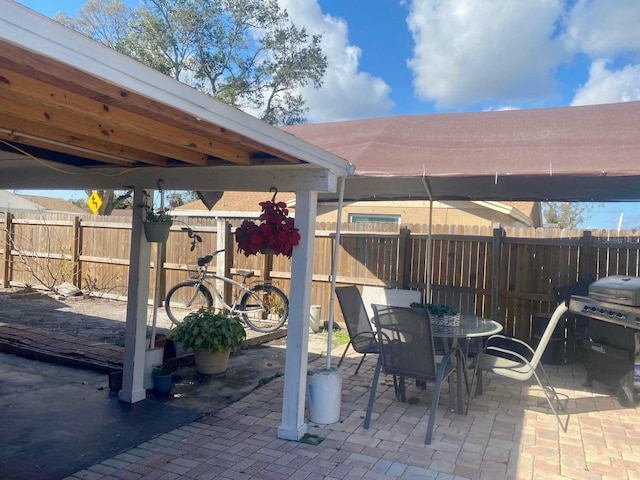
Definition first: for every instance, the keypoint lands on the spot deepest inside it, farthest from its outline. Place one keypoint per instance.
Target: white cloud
(601, 28)
(469, 52)
(607, 31)
(609, 86)
(346, 93)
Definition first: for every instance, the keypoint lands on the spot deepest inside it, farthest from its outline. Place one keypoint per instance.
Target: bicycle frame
(204, 277)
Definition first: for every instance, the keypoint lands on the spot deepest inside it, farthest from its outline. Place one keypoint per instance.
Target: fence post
(76, 252)
(496, 257)
(586, 269)
(6, 261)
(404, 254)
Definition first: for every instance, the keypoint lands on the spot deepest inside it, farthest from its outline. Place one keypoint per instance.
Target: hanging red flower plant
(276, 234)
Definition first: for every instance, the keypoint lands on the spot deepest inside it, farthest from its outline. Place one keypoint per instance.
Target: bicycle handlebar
(202, 261)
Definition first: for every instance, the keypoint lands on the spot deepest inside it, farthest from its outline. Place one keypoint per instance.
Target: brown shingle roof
(52, 204)
(239, 201)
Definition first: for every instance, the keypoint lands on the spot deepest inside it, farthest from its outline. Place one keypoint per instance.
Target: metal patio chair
(515, 359)
(361, 336)
(407, 351)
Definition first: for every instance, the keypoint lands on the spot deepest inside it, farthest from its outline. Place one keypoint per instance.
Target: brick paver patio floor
(509, 433)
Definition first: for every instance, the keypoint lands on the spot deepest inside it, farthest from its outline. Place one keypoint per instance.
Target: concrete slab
(56, 420)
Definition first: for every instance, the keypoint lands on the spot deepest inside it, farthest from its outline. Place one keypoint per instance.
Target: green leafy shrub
(209, 330)
(435, 310)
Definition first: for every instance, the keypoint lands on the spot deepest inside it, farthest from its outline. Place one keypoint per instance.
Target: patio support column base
(132, 397)
(292, 434)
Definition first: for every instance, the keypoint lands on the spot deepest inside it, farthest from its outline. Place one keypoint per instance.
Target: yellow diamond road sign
(94, 202)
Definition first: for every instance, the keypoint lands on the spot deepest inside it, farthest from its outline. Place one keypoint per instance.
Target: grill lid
(620, 289)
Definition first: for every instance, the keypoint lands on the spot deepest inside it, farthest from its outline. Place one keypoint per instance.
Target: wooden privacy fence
(507, 274)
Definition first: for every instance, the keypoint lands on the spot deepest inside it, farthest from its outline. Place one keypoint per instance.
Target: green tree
(566, 214)
(105, 21)
(246, 53)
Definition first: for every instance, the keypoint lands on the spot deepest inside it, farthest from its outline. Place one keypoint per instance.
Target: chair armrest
(511, 344)
(368, 334)
(505, 353)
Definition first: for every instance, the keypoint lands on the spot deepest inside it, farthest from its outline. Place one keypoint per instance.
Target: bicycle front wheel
(184, 298)
(265, 308)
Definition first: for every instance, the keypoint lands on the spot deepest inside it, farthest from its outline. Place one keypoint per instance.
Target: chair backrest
(355, 317)
(560, 310)
(406, 342)
(388, 296)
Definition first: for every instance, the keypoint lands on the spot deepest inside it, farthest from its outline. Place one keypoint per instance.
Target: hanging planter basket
(157, 232)
(275, 235)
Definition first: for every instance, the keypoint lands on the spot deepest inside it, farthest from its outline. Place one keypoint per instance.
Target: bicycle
(262, 306)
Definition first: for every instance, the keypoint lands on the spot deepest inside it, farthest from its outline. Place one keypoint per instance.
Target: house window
(372, 218)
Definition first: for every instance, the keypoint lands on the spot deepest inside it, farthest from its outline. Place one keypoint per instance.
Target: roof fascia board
(47, 37)
(505, 209)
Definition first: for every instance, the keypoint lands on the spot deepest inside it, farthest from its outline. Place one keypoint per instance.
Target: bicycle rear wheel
(265, 308)
(184, 298)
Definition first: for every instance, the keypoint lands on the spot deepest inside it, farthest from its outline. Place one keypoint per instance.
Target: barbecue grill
(613, 333)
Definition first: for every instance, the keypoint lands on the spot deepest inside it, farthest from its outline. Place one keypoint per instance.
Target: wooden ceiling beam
(58, 117)
(100, 113)
(16, 129)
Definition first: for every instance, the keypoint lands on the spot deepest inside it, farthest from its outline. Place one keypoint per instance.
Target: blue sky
(395, 57)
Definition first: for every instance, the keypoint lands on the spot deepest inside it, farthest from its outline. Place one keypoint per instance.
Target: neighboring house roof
(55, 205)
(232, 204)
(10, 202)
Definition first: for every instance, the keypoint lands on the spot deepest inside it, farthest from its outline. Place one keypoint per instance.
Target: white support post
(292, 426)
(137, 298)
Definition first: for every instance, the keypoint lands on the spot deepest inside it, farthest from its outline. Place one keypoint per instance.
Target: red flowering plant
(276, 234)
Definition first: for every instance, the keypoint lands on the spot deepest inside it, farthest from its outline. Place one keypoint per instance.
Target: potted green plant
(157, 224)
(212, 335)
(162, 377)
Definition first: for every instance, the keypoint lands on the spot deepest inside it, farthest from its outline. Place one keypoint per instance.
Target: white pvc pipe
(429, 246)
(334, 268)
(156, 287)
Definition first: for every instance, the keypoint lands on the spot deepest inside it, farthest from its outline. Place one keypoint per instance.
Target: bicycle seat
(245, 273)
(202, 261)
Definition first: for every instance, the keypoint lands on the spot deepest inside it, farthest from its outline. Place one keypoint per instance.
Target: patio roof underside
(589, 153)
(75, 114)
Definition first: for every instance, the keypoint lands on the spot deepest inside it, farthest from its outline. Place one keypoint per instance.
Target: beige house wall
(449, 213)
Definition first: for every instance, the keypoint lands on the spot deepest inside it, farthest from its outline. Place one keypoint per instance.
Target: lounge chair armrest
(510, 344)
(503, 352)
(510, 340)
